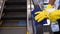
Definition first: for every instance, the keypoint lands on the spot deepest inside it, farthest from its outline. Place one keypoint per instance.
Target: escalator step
(14, 23)
(15, 15)
(14, 18)
(12, 10)
(19, 7)
(16, 8)
(16, 2)
(12, 30)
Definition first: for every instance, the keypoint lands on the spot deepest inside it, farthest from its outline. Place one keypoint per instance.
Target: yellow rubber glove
(48, 7)
(54, 15)
(40, 15)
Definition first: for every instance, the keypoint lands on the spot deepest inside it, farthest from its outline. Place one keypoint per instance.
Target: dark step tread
(23, 10)
(16, 14)
(16, 7)
(14, 30)
(15, 23)
(16, 2)
(14, 18)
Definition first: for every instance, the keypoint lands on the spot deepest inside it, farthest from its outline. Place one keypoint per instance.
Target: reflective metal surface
(2, 2)
(29, 21)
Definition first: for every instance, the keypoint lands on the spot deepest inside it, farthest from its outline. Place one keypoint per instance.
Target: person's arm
(40, 15)
(51, 2)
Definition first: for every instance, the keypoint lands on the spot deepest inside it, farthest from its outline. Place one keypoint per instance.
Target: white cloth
(56, 4)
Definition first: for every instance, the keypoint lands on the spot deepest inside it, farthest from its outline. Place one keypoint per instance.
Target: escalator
(14, 17)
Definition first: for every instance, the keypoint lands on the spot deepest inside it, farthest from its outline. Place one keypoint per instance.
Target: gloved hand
(49, 6)
(40, 15)
(54, 15)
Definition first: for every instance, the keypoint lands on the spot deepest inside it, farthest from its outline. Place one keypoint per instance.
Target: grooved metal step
(16, 2)
(14, 18)
(14, 23)
(16, 8)
(15, 15)
(12, 30)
